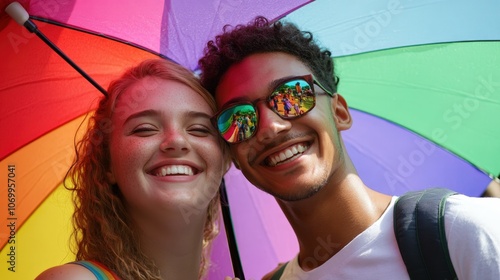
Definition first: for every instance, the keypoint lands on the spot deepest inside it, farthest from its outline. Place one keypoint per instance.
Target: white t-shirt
(472, 230)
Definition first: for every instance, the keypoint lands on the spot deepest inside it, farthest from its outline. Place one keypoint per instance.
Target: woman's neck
(174, 246)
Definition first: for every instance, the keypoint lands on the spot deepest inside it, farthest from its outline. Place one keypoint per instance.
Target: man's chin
(295, 195)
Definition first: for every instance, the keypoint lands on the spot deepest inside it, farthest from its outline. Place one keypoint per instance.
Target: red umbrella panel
(392, 57)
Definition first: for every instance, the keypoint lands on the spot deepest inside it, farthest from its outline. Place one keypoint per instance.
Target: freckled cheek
(127, 158)
(211, 152)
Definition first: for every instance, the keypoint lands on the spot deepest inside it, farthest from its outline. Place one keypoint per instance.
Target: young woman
(145, 180)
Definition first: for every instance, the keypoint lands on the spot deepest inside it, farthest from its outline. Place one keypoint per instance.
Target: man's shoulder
(473, 235)
(463, 210)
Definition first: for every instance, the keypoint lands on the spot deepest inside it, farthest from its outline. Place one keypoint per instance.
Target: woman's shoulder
(67, 271)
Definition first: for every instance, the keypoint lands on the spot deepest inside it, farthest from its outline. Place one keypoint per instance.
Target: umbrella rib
(53, 22)
(31, 26)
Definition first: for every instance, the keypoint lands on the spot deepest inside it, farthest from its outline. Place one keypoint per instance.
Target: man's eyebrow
(270, 87)
(275, 83)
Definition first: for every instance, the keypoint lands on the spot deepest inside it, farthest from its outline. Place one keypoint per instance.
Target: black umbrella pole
(30, 25)
(231, 238)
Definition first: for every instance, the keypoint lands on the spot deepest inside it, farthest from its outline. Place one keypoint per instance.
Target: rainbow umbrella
(422, 79)
(388, 56)
(43, 101)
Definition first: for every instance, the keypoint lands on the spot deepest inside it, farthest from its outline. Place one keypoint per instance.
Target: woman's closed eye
(144, 130)
(201, 130)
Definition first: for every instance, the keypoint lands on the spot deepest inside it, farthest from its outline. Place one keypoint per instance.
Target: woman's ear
(227, 164)
(342, 116)
(236, 164)
(227, 156)
(111, 177)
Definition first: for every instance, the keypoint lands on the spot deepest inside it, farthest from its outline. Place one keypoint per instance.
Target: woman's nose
(174, 140)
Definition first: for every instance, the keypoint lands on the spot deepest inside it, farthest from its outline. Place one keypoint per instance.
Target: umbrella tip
(17, 12)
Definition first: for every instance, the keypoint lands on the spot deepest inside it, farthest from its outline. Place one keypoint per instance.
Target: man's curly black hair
(261, 36)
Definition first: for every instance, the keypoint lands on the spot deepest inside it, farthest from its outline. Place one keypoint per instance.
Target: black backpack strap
(279, 272)
(419, 230)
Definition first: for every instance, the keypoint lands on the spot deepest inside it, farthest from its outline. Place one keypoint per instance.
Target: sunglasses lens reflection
(237, 123)
(292, 99)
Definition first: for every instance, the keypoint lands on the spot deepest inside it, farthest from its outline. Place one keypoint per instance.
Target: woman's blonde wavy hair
(102, 227)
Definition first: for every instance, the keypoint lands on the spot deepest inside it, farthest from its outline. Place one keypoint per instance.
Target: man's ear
(342, 116)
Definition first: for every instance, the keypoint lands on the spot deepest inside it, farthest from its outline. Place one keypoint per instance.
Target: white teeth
(163, 171)
(287, 154)
(174, 170)
(301, 148)
(282, 156)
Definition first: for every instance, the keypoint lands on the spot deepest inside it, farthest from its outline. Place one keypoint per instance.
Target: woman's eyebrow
(154, 113)
(145, 113)
(198, 114)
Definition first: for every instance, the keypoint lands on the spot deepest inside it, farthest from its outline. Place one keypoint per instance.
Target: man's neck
(329, 220)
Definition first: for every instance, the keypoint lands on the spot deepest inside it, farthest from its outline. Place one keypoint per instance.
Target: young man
(344, 228)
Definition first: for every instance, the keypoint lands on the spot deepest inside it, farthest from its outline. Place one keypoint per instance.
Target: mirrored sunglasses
(291, 99)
